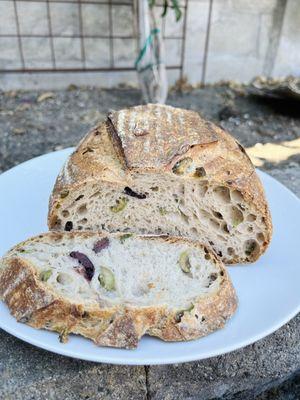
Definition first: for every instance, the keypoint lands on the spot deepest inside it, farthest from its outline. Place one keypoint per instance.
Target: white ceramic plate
(268, 291)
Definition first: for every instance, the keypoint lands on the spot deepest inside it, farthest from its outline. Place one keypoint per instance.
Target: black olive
(69, 226)
(100, 245)
(85, 262)
(132, 193)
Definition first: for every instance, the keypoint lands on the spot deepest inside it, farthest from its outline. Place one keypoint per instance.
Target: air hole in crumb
(79, 197)
(237, 196)
(200, 172)
(250, 229)
(230, 251)
(154, 188)
(214, 223)
(225, 228)
(251, 217)
(65, 213)
(207, 256)
(82, 209)
(260, 236)
(217, 214)
(236, 216)
(213, 276)
(251, 247)
(82, 221)
(222, 193)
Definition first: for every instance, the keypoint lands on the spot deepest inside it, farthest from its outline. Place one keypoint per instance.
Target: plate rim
(153, 360)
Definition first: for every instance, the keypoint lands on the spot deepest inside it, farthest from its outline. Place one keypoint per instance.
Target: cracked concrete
(29, 128)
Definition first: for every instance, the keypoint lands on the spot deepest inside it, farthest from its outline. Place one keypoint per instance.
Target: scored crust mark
(242, 148)
(151, 136)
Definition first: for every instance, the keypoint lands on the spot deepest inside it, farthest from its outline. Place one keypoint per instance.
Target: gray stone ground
(266, 370)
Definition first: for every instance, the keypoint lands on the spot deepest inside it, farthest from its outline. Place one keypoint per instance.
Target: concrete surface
(266, 370)
(246, 38)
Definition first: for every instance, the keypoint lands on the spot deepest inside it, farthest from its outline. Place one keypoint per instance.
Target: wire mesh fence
(214, 40)
(79, 35)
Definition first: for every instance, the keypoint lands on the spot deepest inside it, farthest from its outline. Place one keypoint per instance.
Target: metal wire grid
(55, 63)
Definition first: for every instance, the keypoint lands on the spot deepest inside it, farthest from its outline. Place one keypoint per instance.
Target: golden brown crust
(150, 136)
(20, 289)
(33, 302)
(100, 157)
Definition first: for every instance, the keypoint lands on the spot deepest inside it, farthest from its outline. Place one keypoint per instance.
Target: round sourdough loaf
(162, 170)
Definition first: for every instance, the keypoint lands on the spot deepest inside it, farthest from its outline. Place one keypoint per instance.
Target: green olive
(45, 275)
(107, 279)
(120, 205)
(184, 262)
(125, 237)
(162, 210)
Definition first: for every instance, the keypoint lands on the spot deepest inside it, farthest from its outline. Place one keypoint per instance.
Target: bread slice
(161, 170)
(115, 288)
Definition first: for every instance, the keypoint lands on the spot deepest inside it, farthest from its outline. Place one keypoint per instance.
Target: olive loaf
(114, 288)
(162, 170)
